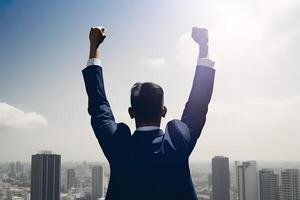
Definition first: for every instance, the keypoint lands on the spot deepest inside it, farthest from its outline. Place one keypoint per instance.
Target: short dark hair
(147, 101)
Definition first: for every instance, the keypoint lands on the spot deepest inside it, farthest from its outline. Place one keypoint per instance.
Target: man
(150, 163)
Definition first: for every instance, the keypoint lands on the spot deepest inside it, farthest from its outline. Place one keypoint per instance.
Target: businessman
(150, 163)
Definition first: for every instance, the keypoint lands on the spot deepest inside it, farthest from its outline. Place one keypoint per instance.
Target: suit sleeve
(102, 119)
(194, 114)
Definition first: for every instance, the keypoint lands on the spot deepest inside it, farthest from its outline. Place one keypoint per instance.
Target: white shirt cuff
(205, 62)
(93, 61)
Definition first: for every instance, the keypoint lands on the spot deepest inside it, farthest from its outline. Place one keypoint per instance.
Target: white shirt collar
(147, 128)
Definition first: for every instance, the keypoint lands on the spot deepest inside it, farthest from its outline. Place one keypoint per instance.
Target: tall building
(290, 184)
(12, 169)
(247, 181)
(20, 169)
(71, 179)
(269, 185)
(236, 165)
(45, 176)
(97, 182)
(220, 178)
(209, 181)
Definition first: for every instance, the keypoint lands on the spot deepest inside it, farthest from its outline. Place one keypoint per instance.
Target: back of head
(147, 101)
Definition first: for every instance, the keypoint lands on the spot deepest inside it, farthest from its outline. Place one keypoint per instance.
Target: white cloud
(156, 62)
(12, 118)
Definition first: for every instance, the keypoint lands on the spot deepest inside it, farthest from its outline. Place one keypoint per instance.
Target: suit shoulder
(176, 126)
(123, 130)
(178, 133)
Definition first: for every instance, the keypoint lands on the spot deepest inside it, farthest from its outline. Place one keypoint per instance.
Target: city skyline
(92, 179)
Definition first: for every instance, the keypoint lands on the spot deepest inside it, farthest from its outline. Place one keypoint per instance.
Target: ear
(131, 113)
(164, 111)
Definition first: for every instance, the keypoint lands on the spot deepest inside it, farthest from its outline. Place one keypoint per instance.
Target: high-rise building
(97, 182)
(247, 181)
(209, 181)
(71, 179)
(290, 184)
(87, 196)
(20, 169)
(236, 165)
(45, 176)
(12, 169)
(220, 178)
(269, 185)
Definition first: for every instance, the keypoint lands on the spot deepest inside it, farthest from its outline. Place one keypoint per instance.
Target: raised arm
(194, 114)
(102, 118)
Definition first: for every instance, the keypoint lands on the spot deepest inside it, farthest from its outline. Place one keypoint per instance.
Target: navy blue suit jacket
(149, 164)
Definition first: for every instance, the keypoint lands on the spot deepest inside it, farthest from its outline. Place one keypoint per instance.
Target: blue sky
(44, 46)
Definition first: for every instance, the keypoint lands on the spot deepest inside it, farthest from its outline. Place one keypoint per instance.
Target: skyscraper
(269, 185)
(236, 165)
(20, 169)
(71, 179)
(290, 184)
(12, 169)
(247, 181)
(209, 181)
(45, 176)
(220, 178)
(97, 182)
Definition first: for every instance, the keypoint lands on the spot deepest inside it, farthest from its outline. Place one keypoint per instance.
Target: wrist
(203, 51)
(94, 52)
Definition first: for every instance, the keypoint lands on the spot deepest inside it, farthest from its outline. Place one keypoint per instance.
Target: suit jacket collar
(147, 128)
(148, 133)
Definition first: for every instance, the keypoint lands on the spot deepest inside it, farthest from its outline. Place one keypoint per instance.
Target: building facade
(290, 184)
(97, 182)
(269, 185)
(247, 181)
(45, 176)
(220, 178)
(71, 179)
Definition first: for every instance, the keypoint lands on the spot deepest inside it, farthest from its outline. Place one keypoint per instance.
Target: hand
(200, 36)
(97, 35)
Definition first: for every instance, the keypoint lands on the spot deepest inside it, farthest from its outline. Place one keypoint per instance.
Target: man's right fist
(200, 35)
(97, 35)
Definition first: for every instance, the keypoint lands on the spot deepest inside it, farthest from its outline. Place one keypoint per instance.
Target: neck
(142, 124)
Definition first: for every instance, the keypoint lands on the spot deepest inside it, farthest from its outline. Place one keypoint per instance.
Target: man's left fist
(97, 35)
(200, 35)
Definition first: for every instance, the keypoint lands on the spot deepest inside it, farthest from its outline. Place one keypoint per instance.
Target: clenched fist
(200, 35)
(97, 35)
